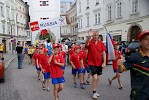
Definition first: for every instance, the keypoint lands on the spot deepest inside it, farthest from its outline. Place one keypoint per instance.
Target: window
(3, 25)
(44, 3)
(134, 6)
(2, 10)
(109, 12)
(81, 22)
(12, 14)
(119, 10)
(8, 29)
(87, 4)
(8, 12)
(97, 18)
(97, 2)
(79, 6)
(87, 18)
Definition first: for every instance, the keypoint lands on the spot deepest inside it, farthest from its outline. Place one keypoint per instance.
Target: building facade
(126, 18)
(40, 10)
(22, 19)
(65, 6)
(8, 34)
(71, 28)
(90, 15)
(123, 19)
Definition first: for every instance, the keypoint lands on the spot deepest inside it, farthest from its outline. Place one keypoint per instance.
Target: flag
(110, 47)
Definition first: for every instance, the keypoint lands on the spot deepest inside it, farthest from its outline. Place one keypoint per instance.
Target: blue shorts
(79, 70)
(46, 75)
(58, 80)
(38, 68)
(86, 69)
(63, 68)
(116, 70)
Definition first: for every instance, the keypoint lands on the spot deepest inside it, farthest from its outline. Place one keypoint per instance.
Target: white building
(40, 10)
(8, 24)
(89, 16)
(22, 18)
(124, 19)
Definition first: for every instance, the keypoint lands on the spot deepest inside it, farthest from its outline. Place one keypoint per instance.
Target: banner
(46, 24)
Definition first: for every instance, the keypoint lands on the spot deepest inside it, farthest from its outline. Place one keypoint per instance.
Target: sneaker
(88, 82)
(82, 86)
(75, 85)
(94, 96)
(97, 95)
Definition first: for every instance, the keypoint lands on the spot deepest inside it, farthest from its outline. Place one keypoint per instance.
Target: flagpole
(105, 28)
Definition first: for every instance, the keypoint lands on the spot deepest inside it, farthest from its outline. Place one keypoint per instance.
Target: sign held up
(46, 24)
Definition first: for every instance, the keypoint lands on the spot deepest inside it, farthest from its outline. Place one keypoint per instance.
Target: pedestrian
(86, 69)
(25, 51)
(56, 62)
(96, 59)
(1, 50)
(40, 64)
(30, 54)
(63, 54)
(19, 50)
(65, 49)
(45, 69)
(35, 59)
(118, 55)
(77, 66)
(71, 51)
(138, 64)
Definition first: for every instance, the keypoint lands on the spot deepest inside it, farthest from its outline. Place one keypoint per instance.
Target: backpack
(49, 47)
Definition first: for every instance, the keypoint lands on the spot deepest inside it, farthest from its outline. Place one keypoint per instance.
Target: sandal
(121, 88)
(110, 83)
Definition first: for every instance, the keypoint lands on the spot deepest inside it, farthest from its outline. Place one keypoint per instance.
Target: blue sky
(67, 0)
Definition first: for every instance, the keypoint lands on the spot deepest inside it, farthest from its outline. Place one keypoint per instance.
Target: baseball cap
(77, 47)
(142, 34)
(45, 50)
(56, 45)
(116, 43)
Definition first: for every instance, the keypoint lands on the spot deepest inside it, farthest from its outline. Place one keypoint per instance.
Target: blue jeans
(20, 59)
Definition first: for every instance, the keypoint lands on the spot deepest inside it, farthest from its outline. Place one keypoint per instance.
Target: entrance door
(134, 33)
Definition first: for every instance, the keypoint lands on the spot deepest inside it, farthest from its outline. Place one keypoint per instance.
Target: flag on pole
(110, 47)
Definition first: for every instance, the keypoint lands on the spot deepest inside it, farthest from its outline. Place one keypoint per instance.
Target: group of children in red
(53, 66)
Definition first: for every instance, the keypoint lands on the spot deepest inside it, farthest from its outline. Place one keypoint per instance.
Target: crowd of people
(88, 59)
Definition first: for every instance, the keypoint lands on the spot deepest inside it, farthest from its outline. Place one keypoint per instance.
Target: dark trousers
(20, 60)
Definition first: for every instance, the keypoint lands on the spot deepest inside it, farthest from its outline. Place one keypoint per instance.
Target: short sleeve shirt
(56, 70)
(75, 58)
(85, 62)
(95, 51)
(118, 55)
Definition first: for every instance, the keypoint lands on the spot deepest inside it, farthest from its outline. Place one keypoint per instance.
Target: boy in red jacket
(45, 69)
(77, 66)
(56, 62)
(118, 55)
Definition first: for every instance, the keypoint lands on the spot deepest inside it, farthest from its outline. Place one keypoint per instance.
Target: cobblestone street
(21, 84)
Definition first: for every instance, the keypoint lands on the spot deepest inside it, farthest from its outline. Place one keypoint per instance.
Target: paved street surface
(21, 84)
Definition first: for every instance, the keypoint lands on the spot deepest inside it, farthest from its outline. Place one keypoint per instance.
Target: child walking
(118, 56)
(56, 62)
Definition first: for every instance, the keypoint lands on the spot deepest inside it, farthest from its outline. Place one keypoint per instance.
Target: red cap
(56, 45)
(77, 47)
(45, 50)
(142, 34)
(116, 43)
